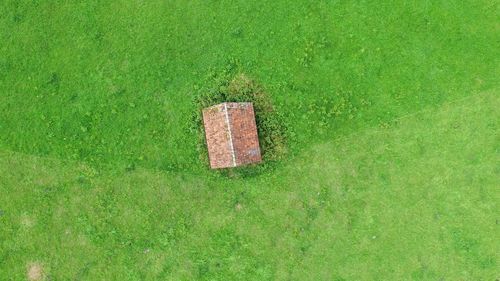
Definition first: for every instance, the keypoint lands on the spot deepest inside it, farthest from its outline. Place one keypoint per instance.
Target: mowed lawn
(392, 170)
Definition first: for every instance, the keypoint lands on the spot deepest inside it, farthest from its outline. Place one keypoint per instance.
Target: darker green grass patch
(232, 85)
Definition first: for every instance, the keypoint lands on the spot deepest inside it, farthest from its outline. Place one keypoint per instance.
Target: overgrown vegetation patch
(235, 86)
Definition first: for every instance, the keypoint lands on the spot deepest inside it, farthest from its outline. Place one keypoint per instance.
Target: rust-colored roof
(231, 135)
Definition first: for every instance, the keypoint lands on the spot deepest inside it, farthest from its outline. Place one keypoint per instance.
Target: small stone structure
(231, 135)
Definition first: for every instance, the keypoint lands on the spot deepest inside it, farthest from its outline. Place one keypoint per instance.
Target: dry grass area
(35, 272)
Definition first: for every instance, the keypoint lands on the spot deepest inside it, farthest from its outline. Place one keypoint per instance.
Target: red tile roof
(231, 135)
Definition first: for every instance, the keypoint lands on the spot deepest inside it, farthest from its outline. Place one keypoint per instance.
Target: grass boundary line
(373, 130)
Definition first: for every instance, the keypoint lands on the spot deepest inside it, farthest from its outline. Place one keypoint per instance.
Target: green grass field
(392, 166)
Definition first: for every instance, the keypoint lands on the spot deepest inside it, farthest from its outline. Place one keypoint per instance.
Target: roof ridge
(231, 144)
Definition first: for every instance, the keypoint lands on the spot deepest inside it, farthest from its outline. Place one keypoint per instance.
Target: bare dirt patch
(238, 207)
(27, 221)
(35, 271)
